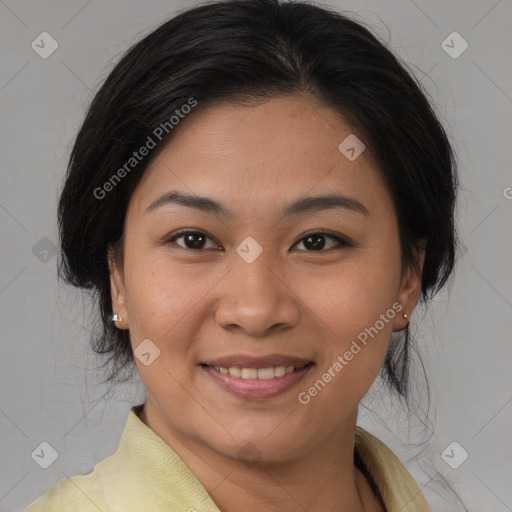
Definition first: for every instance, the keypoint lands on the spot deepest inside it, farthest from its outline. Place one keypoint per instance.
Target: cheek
(353, 309)
(354, 331)
(159, 302)
(341, 384)
(164, 301)
(352, 296)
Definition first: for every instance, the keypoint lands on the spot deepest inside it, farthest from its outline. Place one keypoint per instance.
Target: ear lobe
(117, 291)
(410, 289)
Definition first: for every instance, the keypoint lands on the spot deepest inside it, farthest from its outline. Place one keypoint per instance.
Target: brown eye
(313, 242)
(194, 240)
(317, 241)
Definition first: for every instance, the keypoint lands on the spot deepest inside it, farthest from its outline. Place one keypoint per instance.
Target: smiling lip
(243, 361)
(257, 389)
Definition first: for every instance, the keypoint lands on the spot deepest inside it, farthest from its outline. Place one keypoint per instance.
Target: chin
(257, 445)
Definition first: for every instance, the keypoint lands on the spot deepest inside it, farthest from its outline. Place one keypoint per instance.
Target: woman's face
(261, 284)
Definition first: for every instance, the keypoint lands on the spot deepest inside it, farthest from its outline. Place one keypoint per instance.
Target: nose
(255, 298)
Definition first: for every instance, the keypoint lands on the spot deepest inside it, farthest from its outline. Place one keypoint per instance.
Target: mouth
(269, 372)
(257, 378)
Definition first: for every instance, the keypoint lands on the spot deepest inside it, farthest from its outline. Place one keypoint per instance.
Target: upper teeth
(256, 373)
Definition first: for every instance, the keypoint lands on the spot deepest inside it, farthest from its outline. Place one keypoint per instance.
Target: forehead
(250, 156)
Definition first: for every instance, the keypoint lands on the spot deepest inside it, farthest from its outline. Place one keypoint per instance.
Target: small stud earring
(115, 318)
(405, 315)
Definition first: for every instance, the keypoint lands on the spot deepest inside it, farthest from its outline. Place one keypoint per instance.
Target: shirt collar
(146, 474)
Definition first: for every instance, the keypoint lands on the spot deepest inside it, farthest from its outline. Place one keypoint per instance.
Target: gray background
(51, 387)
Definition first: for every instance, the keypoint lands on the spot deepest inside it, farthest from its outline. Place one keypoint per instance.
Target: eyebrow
(302, 205)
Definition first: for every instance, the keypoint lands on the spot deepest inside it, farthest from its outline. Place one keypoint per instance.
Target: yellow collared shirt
(145, 474)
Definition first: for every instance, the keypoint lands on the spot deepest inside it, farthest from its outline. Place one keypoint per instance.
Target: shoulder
(91, 492)
(81, 493)
(396, 486)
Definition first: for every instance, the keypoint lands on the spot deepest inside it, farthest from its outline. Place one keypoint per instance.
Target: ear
(117, 290)
(410, 289)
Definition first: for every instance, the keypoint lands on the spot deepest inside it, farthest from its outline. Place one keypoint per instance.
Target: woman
(259, 195)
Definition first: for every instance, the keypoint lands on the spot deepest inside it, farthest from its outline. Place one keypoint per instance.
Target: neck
(323, 478)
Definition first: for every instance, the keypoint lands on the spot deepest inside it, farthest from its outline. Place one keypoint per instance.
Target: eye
(194, 240)
(315, 242)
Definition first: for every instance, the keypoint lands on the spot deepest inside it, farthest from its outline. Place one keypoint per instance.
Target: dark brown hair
(257, 49)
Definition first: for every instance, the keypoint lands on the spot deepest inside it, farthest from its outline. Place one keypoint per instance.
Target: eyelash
(341, 241)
